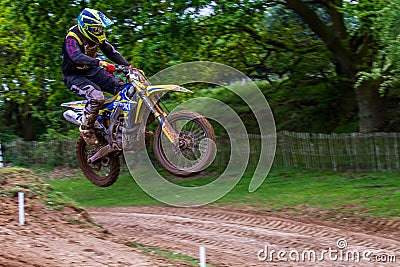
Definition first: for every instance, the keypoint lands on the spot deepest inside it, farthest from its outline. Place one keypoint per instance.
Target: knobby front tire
(197, 144)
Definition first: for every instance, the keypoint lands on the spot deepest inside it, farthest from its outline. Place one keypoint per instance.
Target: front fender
(166, 88)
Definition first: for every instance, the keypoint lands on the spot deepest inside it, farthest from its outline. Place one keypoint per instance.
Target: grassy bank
(363, 194)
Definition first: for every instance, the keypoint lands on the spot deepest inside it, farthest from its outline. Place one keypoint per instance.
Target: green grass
(364, 194)
(125, 192)
(374, 194)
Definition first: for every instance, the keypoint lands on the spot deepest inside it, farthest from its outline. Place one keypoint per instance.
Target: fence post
(21, 208)
(1, 156)
(202, 252)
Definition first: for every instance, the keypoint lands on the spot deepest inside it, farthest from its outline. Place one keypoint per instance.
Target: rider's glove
(107, 66)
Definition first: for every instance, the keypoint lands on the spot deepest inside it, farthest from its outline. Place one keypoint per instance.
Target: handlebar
(120, 68)
(134, 73)
(123, 68)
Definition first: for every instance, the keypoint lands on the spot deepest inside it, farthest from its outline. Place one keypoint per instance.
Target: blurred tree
(250, 34)
(268, 42)
(326, 60)
(31, 36)
(152, 35)
(345, 27)
(14, 98)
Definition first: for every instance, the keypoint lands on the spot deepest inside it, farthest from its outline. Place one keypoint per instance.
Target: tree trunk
(369, 107)
(27, 128)
(26, 122)
(347, 111)
(351, 56)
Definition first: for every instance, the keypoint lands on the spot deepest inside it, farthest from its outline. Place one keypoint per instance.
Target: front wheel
(103, 172)
(195, 149)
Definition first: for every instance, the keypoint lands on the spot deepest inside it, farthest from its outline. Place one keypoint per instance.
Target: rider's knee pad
(95, 99)
(93, 94)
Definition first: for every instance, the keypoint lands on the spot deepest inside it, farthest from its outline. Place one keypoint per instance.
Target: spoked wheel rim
(103, 172)
(196, 146)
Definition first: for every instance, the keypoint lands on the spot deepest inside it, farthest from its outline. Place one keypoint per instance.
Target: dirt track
(56, 236)
(64, 235)
(239, 238)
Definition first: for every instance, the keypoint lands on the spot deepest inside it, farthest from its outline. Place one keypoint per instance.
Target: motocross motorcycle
(121, 125)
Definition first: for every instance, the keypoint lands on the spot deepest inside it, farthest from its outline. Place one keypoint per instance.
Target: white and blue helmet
(91, 24)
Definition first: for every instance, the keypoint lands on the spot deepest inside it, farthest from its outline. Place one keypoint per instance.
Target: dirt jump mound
(56, 232)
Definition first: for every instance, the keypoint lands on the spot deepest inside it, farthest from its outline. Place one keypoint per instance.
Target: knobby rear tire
(91, 174)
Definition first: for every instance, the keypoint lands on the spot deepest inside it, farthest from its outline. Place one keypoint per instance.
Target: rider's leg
(107, 82)
(90, 86)
(95, 101)
(86, 88)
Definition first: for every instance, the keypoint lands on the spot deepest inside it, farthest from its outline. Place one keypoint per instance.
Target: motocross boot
(86, 129)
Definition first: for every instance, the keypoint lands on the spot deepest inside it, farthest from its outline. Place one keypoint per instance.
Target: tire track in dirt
(234, 238)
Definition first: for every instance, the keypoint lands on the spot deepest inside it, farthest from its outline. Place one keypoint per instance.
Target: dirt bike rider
(86, 75)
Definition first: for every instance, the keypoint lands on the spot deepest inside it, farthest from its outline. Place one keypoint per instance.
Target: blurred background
(329, 70)
(325, 67)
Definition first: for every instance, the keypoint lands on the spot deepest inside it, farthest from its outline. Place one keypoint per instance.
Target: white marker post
(21, 208)
(1, 157)
(202, 257)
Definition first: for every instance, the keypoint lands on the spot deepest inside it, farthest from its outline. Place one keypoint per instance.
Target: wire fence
(348, 151)
(47, 154)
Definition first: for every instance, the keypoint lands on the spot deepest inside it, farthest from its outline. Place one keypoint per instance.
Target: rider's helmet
(91, 24)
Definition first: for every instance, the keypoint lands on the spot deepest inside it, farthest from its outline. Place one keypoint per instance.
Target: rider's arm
(111, 53)
(76, 55)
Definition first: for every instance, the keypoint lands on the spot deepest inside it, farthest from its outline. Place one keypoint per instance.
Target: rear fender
(75, 105)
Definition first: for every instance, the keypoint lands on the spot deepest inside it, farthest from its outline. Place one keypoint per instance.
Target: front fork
(160, 116)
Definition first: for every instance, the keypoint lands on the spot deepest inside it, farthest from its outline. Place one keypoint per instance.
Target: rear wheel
(103, 172)
(195, 149)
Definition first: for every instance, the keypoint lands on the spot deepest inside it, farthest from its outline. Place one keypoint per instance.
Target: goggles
(96, 30)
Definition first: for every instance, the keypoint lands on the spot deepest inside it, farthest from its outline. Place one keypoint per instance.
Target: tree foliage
(329, 64)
